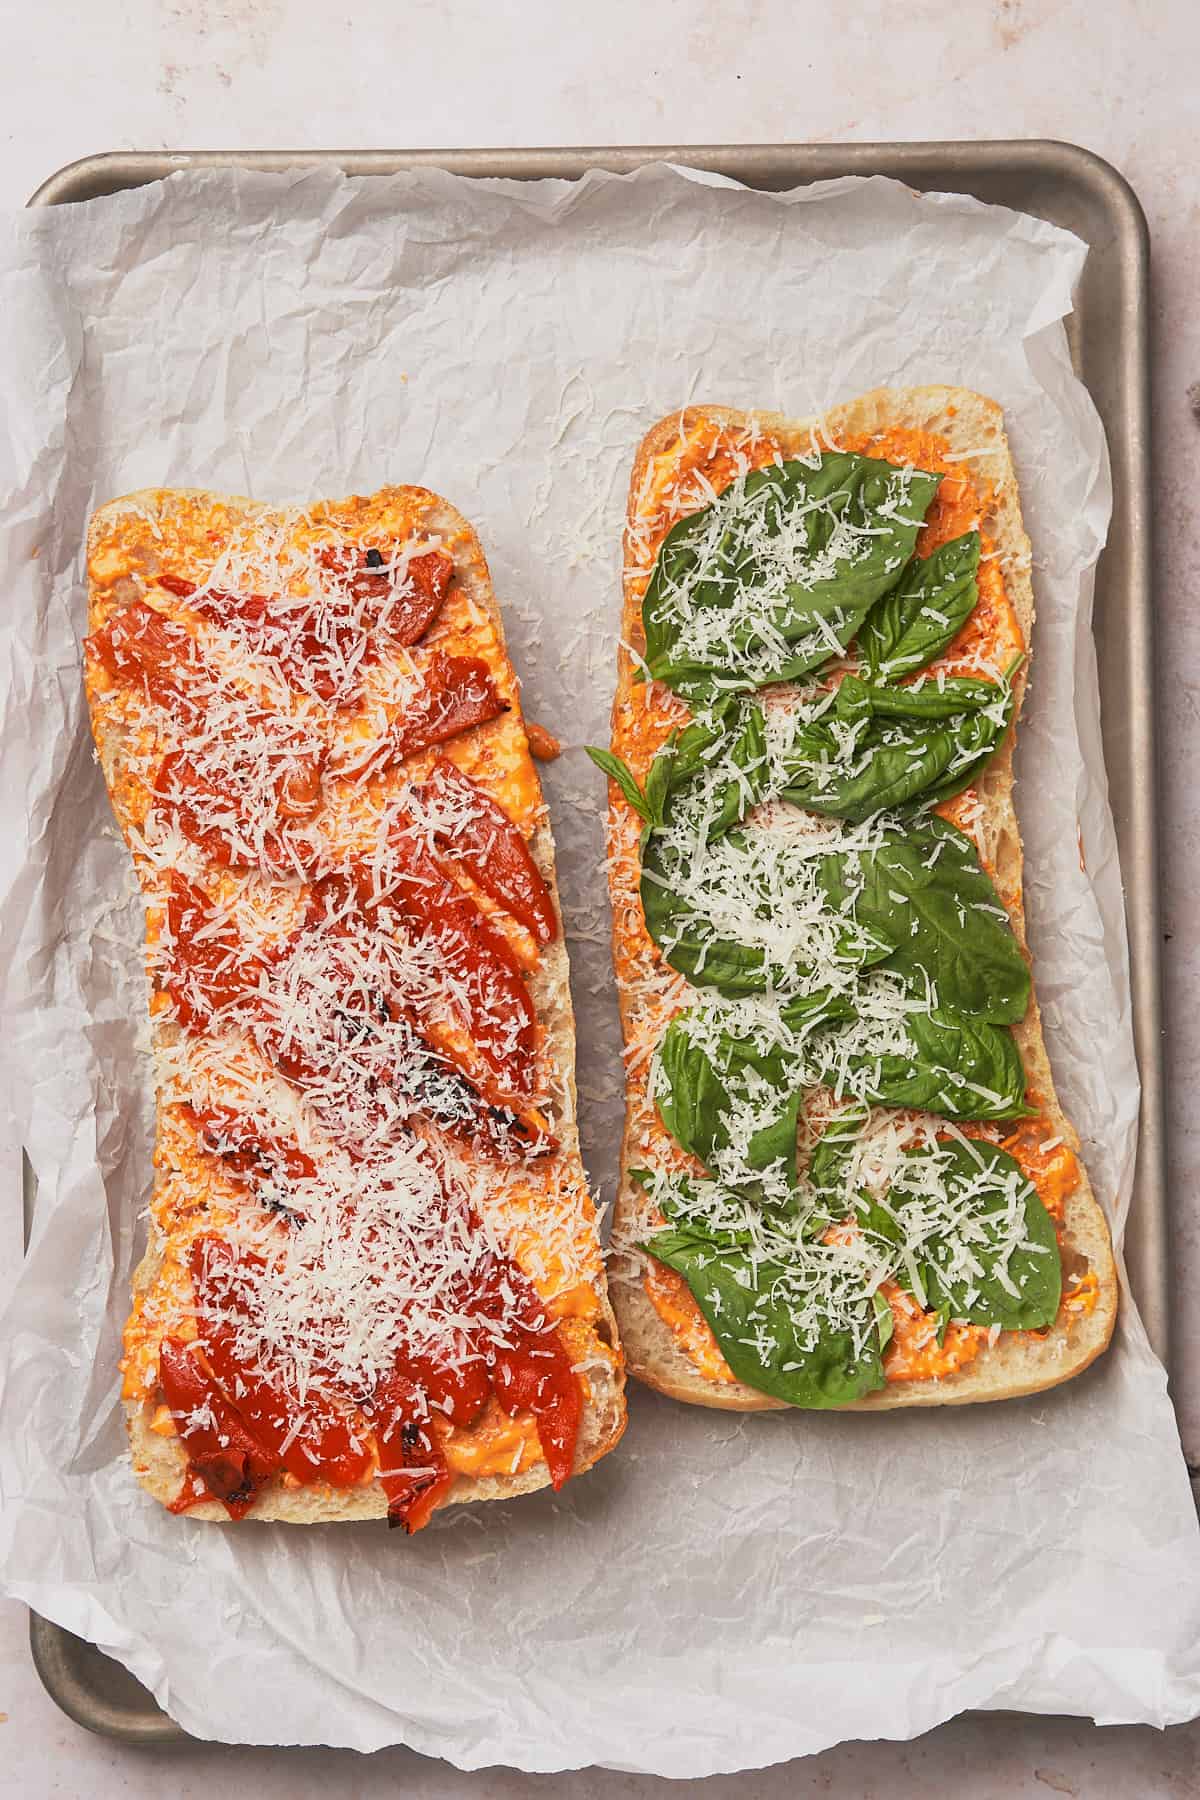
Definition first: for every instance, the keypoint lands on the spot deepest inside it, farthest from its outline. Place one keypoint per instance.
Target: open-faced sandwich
(847, 1180)
(373, 1283)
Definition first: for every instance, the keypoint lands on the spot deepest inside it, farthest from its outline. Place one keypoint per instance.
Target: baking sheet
(482, 338)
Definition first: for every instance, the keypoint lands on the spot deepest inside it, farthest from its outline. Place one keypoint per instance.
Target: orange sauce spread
(677, 1307)
(914, 1353)
(544, 1208)
(1082, 1295)
(1047, 1160)
(493, 1445)
(705, 458)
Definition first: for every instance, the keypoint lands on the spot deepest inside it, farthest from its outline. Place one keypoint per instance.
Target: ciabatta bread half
(669, 480)
(196, 538)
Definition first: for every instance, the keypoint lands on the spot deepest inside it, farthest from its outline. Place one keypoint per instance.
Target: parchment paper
(720, 1593)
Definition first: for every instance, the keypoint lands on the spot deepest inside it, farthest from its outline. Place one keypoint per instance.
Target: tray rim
(134, 168)
(953, 165)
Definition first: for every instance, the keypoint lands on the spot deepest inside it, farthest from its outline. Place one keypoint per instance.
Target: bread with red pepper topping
(371, 1237)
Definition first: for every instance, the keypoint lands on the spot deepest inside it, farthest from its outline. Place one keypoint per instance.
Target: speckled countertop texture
(1119, 76)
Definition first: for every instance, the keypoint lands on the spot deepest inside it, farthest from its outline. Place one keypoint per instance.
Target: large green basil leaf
(964, 1069)
(963, 775)
(686, 939)
(931, 699)
(832, 1151)
(924, 612)
(775, 1142)
(903, 768)
(926, 894)
(795, 555)
(828, 1173)
(900, 754)
(750, 1306)
(974, 1272)
(686, 936)
(732, 735)
(692, 1094)
(709, 1209)
(696, 1088)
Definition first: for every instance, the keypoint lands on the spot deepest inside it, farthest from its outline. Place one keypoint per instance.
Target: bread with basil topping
(1011, 1362)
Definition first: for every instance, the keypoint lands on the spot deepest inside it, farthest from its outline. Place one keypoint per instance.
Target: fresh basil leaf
(619, 772)
(877, 1219)
(924, 612)
(747, 752)
(682, 756)
(804, 1013)
(691, 1093)
(985, 1271)
(709, 1209)
(960, 1069)
(895, 761)
(775, 1142)
(695, 1091)
(690, 944)
(831, 1153)
(880, 1223)
(731, 736)
(965, 773)
(686, 939)
(926, 894)
(931, 700)
(794, 555)
(890, 775)
(851, 699)
(962, 776)
(752, 1306)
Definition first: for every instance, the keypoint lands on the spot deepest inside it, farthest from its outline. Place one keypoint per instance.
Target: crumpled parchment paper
(721, 1592)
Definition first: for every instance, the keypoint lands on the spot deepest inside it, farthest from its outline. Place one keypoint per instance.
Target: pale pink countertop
(1119, 76)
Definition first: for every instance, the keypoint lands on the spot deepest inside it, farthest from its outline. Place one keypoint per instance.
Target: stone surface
(1118, 76)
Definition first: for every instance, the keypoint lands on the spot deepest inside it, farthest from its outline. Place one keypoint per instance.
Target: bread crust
(160, 1462)
(1019, 1363)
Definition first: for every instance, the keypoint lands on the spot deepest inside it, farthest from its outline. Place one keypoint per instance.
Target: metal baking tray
(1109, 336)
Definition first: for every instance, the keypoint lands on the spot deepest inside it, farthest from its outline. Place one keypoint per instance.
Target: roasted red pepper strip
(141, 647)
(324, 1448)
(410, 1068)
(493, 852)
(321, 652)
(178, 787)
(412, 1468)
(404, 611)
(488, 1121)
(189, 796)
(530, 1369)
(250, 1154)
(498, 1011)
(215, 605)
(209, 967)
(237, 1141)
(305, 660)
(221, 1450)
(458, 693)
(458, 1394)
(430, 576)
(536, 1376)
